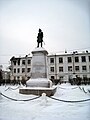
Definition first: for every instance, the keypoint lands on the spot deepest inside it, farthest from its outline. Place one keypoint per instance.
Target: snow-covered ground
(48, 109)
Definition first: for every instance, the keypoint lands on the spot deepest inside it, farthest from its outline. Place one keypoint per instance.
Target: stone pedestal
(39, 83)
(38, 90)
(39, 69)
(39, 63)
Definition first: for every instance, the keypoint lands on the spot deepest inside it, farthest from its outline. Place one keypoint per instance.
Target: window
(69, 68)
(89, 58)
(83, 59)
(52, 69)
(29, 61)
(84, 76)
(28, 69)
(18, 70)
(51, 60)
(61, 77)
(76, 59)
(69, 59)
(84, 68)
(52, 77)
(14, 62)
(18, 62)
(14, 70)
(60, 60)
(18, 77)
(77, 68)
(23, 70)
(60, 69)
(23, 62)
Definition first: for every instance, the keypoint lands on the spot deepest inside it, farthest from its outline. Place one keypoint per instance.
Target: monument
(39, 82)
(40, 38)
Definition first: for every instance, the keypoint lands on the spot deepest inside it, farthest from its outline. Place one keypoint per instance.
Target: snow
(45, 108)
(39, 88)
(39, 49)
(39, 82)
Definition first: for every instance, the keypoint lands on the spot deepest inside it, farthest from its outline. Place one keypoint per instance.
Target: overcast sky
(65, 25)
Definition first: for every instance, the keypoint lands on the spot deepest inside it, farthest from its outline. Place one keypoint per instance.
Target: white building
(20, 68)
(60, 66)
(65, 66)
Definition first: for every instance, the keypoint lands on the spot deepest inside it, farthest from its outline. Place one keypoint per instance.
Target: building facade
(68, 66)
(60, 66)
(20, 68)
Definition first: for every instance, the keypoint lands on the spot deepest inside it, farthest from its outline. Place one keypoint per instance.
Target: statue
(40, 38)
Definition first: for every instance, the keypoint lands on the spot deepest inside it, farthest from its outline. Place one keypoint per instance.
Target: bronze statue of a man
(40, 38)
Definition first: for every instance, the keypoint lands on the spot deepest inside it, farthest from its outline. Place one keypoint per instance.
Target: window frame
(23, 62)
(14, 62)
(76, 68)
(28, 70)
(14, 70)
(29, 61)
(52, 60)
(83, 58)
(23, 70)
(69, 59)
(52, 69)
(60, 59)
(60, 69)
(76, 59)
(18, 70)
(70, 68)
(84, 68)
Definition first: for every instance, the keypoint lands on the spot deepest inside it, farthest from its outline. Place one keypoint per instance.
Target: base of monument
(38, 91)
(39, 82)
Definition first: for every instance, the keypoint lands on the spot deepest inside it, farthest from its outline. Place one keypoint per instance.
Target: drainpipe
(74, 65)
(26, 66)
(55, 67)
